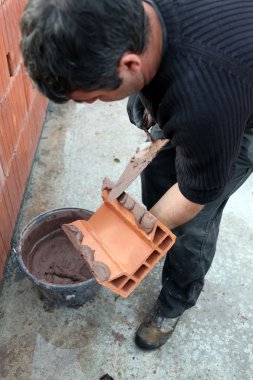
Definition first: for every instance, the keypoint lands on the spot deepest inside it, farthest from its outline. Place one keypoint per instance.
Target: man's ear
(130, 62)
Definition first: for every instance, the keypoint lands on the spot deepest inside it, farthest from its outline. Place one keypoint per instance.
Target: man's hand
(173, 209)
(136, 111)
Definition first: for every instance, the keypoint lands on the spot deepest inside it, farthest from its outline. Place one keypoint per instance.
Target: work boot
(155, 330)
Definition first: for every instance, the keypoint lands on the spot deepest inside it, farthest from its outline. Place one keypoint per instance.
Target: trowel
(142, 157)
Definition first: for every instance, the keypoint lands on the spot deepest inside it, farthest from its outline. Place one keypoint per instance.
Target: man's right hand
(135, 110)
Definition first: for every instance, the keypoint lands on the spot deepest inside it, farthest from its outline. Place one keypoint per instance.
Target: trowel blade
(138, 162)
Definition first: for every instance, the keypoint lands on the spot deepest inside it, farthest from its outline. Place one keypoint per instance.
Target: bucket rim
(45, 213)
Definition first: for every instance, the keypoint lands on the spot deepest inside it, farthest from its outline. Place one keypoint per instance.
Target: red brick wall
(22, 111)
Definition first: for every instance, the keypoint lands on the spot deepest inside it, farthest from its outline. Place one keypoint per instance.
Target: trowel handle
(145, 125)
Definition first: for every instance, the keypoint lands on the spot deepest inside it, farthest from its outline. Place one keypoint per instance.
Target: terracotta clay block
(41, 104)
(121, 250)
(2, 177)
(4, 148)
(8, 204)
(22, 4)
(25, 149)
(3, 252)
(4, 70)
(3, 258)
(5, 224)
(4, 190)
(18, 102)
(24, 155)
(37, 116)
(12, 186)
(29, 87)
(22, 149)
(8, 186)
(28, 135)
(13, 112)
(5, 135)
(12, 15)
(17, 169)
(1, 272)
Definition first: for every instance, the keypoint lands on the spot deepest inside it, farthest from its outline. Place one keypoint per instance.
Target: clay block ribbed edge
(126, 214)
(131, 223)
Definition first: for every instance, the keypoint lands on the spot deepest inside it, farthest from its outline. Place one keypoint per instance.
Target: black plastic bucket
(39, 229)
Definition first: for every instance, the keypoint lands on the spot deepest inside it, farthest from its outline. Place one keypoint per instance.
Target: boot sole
(146, 346)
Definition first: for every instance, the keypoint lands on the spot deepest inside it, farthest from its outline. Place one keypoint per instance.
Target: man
(189, 63)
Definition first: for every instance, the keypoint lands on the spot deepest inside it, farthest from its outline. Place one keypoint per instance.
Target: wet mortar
(55, 260)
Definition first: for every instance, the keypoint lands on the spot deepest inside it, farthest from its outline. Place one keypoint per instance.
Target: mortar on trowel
(121, 242)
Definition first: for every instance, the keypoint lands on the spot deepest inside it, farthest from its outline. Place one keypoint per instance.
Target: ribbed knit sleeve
(208, 109)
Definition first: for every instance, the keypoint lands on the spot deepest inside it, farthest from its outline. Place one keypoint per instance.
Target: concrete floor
(81, 144)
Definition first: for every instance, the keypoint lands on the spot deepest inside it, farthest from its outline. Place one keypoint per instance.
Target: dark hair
(70, 45)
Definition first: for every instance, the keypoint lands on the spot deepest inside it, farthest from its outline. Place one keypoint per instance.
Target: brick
(5, 137)
(22, 154)
(3, 257)
(33, 121)
(37, 116)
(1, 272)
(8, 203)
(8, 34)
(30, 91)
(17, 191)
(4, 70)
(11, 23)
(13, 191)
(3, 29)
(28, 145)
(6, 197)
(13, 112)
(23, 158)
(11, 130)
(22, 5)
(5, 224)
(2, 2)
(16, 168)
(2, 177)
(18, 101)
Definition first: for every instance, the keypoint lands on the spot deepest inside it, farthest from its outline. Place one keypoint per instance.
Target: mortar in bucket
(48, 259)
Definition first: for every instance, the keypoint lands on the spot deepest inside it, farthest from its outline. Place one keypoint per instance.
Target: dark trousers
(191, 256)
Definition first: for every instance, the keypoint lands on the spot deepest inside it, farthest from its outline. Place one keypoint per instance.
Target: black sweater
(202, 95)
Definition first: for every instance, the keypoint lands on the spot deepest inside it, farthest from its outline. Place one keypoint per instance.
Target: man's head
(73, 46)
